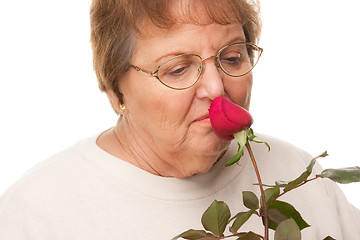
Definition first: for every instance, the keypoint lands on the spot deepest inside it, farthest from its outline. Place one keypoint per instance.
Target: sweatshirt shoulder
(282, 147)
(48, 176)
(283, 156)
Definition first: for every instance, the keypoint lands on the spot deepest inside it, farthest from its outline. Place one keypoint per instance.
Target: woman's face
(174, 124)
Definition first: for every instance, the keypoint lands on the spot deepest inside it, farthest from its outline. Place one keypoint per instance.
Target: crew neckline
(166, 188)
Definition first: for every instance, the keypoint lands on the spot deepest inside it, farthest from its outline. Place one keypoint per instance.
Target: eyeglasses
(183, 71)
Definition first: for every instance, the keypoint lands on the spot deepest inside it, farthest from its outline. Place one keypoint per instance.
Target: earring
(122, 108)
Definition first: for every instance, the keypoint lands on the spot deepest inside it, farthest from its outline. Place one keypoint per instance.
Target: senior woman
(151, 176)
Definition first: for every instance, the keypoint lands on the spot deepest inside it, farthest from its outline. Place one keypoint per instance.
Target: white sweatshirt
(85, 193)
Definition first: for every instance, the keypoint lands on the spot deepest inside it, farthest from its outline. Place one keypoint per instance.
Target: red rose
(227, 118)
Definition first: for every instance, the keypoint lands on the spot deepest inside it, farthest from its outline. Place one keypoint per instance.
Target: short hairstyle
(114, 24)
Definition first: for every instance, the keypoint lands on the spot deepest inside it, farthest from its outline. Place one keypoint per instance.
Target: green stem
(297, 186)
(263, 205)
(236, 235)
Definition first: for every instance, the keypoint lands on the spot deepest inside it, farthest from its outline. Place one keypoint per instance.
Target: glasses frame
(217, 63)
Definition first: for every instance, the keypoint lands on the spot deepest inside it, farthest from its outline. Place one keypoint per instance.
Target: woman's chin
(200, 168)
(208, 154)
(212, 145)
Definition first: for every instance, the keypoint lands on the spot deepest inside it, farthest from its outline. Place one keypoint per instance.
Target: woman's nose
(210, 84)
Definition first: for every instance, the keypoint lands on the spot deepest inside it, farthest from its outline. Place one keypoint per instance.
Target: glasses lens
(238, 59)
(180, 72)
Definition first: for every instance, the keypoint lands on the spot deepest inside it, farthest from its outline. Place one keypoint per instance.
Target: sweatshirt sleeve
(349, 216)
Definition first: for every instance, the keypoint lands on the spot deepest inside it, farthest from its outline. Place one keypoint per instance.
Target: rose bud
(227, 118)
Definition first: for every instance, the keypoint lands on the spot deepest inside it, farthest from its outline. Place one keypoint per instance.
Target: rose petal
(227, 118)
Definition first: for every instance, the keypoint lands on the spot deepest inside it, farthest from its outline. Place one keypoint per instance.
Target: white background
(306, 87)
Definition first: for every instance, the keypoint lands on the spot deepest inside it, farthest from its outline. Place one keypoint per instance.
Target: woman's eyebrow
(169, 55)
(236, 40)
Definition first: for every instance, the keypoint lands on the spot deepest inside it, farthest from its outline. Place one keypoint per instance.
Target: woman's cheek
(171, 113)
(239, 91)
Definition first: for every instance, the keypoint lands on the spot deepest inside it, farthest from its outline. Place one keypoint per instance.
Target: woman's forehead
(153, 32)
(183, 12)
(189, 38)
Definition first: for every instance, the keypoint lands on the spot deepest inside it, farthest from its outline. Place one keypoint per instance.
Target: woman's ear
(118, 107)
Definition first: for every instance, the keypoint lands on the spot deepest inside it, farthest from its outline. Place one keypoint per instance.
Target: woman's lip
(203, 118)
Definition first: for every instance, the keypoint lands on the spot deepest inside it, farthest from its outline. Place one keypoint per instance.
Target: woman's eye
(231, 58)
(177, 70)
